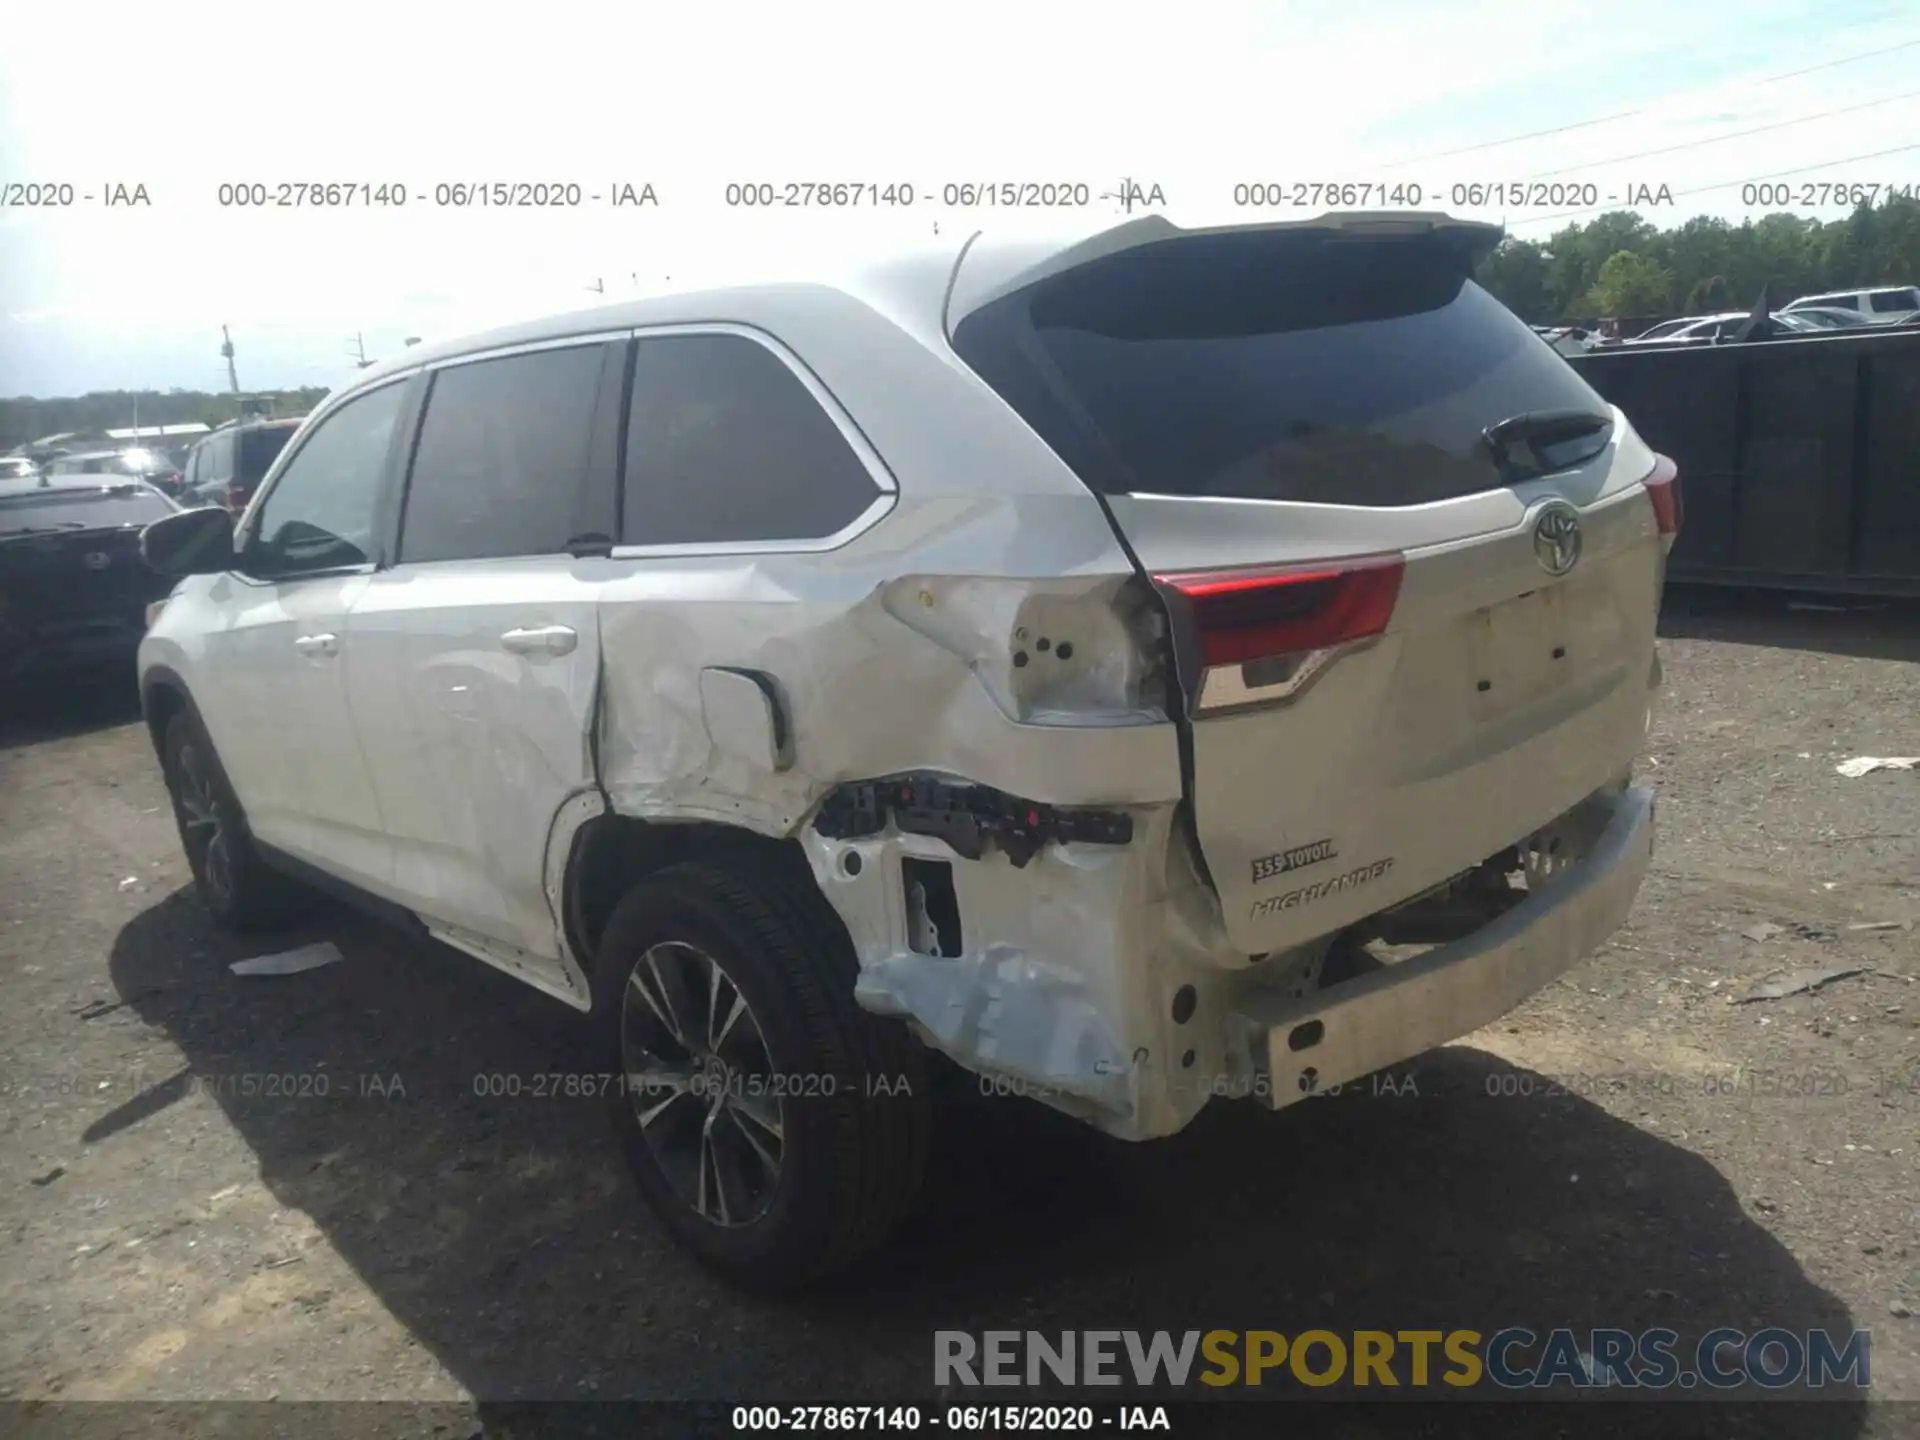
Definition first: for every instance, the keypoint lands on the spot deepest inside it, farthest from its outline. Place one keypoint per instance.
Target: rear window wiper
(1541, 442)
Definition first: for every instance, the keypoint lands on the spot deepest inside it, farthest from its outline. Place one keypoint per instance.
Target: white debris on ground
(1866, 764)
(290, 962)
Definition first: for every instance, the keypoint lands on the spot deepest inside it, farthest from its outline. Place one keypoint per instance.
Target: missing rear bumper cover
(969, 818)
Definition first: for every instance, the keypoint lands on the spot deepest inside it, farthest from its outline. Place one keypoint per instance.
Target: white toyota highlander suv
(1068, 657)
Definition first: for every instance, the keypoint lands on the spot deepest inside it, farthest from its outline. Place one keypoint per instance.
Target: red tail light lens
(1663, 488)
(1261, 635)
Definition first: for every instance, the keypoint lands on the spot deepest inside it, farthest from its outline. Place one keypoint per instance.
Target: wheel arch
(611, 853)
(163, 695)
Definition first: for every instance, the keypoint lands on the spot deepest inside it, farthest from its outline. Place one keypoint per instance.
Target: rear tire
(238, 887)
(794, 1142)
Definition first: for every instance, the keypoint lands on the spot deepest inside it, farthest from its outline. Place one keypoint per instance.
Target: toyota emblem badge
(1556, 538)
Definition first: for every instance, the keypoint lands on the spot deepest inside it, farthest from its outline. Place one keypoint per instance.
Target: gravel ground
(1635, 1146)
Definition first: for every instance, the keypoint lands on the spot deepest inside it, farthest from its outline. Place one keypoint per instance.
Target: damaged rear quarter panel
(1061, 983)
(862, 693)
(915, 648)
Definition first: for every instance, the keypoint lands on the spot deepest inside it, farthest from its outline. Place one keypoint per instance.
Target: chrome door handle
(541, 640)
(317, 644)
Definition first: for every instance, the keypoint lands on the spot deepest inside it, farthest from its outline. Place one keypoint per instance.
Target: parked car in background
(1886, 305)
(73, 588)
(1829, 317)
(227, 466)
(17, 467)
(142, 463)
(1069, 657)
(1570, 339)
(1712, 329)
(1662, 330)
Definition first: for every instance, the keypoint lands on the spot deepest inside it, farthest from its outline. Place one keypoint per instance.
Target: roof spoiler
(979, 281)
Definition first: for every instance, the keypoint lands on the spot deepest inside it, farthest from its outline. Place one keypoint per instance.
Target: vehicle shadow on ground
(1863, 629)
(501, 1231)
(52, 707)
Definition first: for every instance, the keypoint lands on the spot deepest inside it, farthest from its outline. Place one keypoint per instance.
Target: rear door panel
(475, 743)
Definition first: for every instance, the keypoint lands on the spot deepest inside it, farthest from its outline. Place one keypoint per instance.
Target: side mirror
(194, 542)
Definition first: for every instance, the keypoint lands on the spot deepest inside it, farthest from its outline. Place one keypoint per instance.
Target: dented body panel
(1080, 886)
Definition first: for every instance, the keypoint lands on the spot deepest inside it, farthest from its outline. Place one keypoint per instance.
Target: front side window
(322, 513)
(504, 457)
(726, 445)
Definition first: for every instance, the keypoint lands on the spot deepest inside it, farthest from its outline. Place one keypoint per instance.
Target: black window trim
(402, 430)
(614, 379)
(869, 458)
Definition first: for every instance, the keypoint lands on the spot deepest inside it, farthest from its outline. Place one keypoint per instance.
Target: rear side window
(1897, 300)
(258, 450)
(216, 462)
(726, 445)
(504, 455)
(1294, 366)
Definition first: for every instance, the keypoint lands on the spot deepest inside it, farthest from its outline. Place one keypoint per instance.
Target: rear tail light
(1260, 636)
(1663, 488)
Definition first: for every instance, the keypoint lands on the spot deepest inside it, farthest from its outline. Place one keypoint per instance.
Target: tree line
(24, 418)
(1619, 264)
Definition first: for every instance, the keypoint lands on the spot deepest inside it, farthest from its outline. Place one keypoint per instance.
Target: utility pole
(359, 352)
(226, 349)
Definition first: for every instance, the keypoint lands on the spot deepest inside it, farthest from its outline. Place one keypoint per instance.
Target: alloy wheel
(207, 832)
(700, 1078)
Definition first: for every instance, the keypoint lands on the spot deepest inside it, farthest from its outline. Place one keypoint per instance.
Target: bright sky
(1195, 97)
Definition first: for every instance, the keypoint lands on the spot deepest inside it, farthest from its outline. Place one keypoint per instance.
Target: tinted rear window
(1897, 300)
(1292, 366)
(258, 450)
(89, 508)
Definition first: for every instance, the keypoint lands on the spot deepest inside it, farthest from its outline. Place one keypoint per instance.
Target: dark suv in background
(73, 588)
(224, 468)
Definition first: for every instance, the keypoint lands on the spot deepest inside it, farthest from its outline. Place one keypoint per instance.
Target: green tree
(1709, 296)
(1629, 284)
(1518, 274)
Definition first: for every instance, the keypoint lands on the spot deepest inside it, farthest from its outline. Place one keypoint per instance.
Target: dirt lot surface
(1639, 1145)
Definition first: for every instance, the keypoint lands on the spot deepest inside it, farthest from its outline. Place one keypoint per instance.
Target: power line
(1847, 60)
(1729, 184)
(1516, 139)
(1732, 135)
(1629, 114)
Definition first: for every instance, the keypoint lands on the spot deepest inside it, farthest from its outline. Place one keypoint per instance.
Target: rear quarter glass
(1301, 365)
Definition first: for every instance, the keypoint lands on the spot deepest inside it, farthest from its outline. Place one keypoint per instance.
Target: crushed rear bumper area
(1350, 1030)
